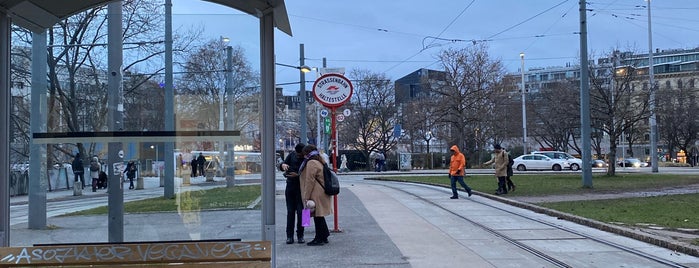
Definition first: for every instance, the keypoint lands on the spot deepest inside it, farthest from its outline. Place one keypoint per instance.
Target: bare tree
(557, 114)
(202, 87)
(467, 103)
(370, 127)
(77, 56)
(615, 103)
(677, 122)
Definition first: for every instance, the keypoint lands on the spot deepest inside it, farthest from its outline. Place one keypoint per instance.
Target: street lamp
(428, 137)
(302, 94)
(524, 109)
(156, 155)
(303, 69)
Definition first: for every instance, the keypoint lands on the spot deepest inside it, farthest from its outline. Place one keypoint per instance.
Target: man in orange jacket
(457, 168)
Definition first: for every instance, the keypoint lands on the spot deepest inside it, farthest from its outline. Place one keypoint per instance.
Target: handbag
(306, 217)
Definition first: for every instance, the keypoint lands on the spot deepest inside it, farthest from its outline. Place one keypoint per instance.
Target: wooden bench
(214, 253)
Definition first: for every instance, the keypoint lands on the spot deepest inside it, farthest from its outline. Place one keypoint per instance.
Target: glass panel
(205, 206)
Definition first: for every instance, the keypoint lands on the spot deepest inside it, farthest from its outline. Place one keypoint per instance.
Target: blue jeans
(460, 179)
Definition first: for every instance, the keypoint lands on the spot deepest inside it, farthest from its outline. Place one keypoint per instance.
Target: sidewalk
(378, 227)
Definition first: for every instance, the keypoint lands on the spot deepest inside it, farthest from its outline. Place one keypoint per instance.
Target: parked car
(631, 162)
(539, 162)
(598, 163)
(575, 163)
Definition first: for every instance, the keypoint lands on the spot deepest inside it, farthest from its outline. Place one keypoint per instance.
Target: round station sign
(332, 90)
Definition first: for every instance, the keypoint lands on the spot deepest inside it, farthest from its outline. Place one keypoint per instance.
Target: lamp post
(302, 96)
(156, 155)
(652, 120)
(428, 137)
(221, 124)
(524, 109)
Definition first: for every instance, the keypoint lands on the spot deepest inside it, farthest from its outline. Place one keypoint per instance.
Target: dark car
(598, 163)
(631, 162)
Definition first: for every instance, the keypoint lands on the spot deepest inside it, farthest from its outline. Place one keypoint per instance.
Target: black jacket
(78, 166)
(294, 161)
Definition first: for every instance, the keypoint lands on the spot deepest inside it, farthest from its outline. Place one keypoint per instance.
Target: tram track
(541, 254)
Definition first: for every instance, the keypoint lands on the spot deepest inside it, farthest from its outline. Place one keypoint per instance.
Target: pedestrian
(201, 162)
(95, 169)
(343, 164)
(510, 184)
(501, 161)
(194, 167)
(457, 167)
(78, 170)
(381, 162)
(294, 205)
(130, 173)
(312, 184)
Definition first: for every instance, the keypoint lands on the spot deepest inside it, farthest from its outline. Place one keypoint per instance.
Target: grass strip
(673, 211)
(238, 197)
(562, 184)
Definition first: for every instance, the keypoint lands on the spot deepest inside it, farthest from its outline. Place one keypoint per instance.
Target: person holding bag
(312, 189)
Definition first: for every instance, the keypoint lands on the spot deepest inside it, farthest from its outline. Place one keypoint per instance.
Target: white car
(539, 162)
(575, 163)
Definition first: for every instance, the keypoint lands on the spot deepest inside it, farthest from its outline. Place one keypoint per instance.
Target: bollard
(209, 176)
(139, 183)
(186, 175)
(77, 188)
(162, 180)
(230, 177)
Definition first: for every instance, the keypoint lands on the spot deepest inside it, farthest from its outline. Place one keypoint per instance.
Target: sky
(400, 37)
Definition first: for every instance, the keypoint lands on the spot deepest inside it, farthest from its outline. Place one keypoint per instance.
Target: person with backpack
(130, 171)
(312, 189)
(95, 169)
(501, 162)
(510, 162)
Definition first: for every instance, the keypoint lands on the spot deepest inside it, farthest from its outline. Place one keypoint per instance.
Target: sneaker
(454, 197)
(469, 193)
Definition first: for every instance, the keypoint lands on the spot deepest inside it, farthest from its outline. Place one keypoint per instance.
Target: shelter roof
(37, 15)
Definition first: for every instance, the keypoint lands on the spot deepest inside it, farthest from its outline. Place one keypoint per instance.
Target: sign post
(333, 90)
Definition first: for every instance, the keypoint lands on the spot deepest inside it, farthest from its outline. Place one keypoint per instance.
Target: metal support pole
(267, 133)
(115, 223)
(302, 99)
(230, 158)
(169, 180)
(335, 150)
(37, 154)
(524, 109)
(5, 97)
(653, 122)
(585, 100)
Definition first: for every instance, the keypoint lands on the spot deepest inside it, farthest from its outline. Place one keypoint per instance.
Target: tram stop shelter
(39, 15)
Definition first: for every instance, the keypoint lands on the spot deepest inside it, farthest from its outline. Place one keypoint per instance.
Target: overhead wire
(443, 30)
(550, 27)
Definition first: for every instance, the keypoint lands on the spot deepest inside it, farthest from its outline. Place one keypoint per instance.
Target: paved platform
(377, 228)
